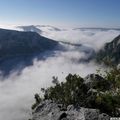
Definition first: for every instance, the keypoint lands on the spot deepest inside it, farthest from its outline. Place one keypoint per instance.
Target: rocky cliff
(14, 43)
(49, 110)
(110, 52)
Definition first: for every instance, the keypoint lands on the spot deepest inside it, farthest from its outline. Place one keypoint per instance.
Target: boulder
(95, 81)
(49, 110)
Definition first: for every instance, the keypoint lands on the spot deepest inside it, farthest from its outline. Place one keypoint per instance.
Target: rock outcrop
(110, 52)
(95, 81)
(49, 110)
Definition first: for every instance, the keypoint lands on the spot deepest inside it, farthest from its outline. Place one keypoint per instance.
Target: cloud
(17, 91)
(93, 38)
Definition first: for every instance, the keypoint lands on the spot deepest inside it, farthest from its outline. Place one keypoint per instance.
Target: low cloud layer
(93, 38)
(17, 91)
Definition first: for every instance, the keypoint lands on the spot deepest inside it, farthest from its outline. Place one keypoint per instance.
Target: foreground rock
(48, 110)
(95, 81)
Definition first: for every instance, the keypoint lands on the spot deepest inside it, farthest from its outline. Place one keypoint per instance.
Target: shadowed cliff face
(110, 52)
(69, 53)
(23, 43)
(17, 49)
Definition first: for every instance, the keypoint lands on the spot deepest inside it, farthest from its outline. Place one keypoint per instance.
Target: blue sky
(86, 13)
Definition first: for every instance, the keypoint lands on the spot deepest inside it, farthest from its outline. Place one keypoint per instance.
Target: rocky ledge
(94, 97)
(49, 110)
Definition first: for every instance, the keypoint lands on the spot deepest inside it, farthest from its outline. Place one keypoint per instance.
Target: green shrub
(108, 103)
(105, 94)
(72, 91)
(37, 101)
(113, 75)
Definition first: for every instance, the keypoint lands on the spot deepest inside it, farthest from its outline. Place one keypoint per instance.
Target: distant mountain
(99, 28)
(110, 52)
(49, 27)
(14, 43)
(40, 28)
(30, 28)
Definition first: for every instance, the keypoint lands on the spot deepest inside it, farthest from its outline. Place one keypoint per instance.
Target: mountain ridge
(110, 53)
(14, 42)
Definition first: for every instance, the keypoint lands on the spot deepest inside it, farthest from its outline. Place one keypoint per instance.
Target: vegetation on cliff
(110, 53)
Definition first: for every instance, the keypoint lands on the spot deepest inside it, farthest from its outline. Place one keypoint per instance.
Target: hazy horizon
(83, 13)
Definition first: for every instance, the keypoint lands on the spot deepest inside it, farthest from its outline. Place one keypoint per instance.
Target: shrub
(37, 101)
(105, 94)
(70, 92)
(108, 103)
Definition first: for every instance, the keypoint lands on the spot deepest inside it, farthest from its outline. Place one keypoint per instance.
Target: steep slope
(14, 43)
(110, 52)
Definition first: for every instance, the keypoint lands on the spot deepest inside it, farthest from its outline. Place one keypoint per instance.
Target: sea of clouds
(17, 91)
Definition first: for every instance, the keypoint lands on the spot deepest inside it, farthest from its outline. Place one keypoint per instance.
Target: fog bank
(17, 91)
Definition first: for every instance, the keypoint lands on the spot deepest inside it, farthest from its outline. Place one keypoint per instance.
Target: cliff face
(110, 52)
(14, 43)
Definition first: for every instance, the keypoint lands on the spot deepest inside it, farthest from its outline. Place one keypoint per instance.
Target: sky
(85, 13)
